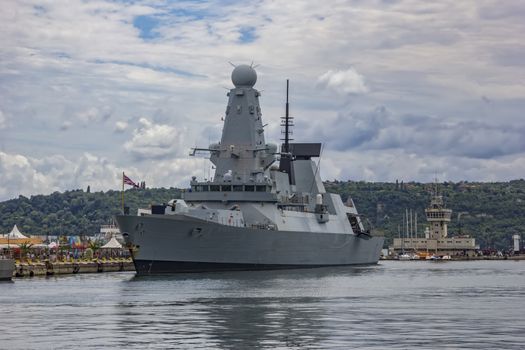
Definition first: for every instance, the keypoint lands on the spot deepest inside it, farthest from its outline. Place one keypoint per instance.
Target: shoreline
(465, 258)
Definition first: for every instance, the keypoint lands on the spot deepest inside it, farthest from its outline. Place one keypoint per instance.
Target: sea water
(392, 305)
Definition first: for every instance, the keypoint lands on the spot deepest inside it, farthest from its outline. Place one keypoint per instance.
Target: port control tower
(438, 217)
(437, 239)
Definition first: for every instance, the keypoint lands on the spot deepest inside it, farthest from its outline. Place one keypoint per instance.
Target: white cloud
(3, 120)
(77, 63)
(65, 125)
(343, 82)
(23, 175)
(377, 165)
(94, 115)
(120, 126)
(381, 129)
(27, 175)
(177, 172)
(155, 141)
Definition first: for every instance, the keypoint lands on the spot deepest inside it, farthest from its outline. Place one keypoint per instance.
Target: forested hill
(75, 212)
(491, 212)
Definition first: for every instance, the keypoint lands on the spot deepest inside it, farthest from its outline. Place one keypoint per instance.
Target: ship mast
(285, 164)
(287, 122)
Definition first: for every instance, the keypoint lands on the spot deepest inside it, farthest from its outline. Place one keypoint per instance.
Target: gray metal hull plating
(177, 243)
(7, 267)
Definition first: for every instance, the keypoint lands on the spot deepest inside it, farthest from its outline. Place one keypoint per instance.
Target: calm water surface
(394, 305)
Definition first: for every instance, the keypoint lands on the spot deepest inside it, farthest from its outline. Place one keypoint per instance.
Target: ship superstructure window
(229, 188)
(201, 188)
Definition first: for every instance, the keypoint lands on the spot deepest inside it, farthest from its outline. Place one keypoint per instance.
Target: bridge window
(202, 188)
(260, 188)
(249, 188)
(237, 188)
(227, 188)
(215, 188)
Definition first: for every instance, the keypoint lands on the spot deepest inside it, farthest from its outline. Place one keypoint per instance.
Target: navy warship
(265, 208)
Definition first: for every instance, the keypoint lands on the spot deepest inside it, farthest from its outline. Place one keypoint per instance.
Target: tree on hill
(74, 212)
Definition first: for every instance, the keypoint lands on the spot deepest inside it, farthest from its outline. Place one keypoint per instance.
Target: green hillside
(75, 212)
(491, 212)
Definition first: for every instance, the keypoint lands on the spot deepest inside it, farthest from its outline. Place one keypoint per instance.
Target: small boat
(423, 255)
(405, 256)
(439, 257)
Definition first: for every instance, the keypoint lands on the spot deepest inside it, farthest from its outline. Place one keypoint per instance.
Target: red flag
(128, 181)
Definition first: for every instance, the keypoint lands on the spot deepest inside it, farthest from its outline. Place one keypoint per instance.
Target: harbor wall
(47, 268)
(464, 258)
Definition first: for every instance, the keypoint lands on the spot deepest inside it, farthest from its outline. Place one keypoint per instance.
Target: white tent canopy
(15, 234)
(39, 245)
(112, 244)
(5, 246)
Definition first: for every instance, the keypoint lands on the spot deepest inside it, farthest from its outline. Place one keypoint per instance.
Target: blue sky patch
(194, 14)
(248, 35)
(147, 26)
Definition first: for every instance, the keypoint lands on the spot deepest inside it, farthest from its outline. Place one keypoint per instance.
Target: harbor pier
(47, 268)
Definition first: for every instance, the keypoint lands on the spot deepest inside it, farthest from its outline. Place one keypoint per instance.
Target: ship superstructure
(254, 214)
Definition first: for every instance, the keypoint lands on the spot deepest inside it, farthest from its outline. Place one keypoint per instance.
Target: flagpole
(122, 192)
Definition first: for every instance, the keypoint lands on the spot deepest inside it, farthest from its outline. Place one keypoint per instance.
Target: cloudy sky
(408, 90)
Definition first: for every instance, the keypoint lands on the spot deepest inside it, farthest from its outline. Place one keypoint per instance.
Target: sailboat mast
(415, 226)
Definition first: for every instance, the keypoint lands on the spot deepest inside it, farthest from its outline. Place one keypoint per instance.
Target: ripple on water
(399, 305)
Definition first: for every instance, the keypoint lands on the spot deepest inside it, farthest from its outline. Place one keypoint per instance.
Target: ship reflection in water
(250, 310)
(395, 305)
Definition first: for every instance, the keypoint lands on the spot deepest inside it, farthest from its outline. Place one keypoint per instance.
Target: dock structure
(436, 240)
(30, 268)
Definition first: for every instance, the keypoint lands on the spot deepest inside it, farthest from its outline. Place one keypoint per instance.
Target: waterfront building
(436, 240)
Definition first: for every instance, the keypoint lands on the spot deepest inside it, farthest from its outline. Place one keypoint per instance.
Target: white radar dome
(244, 75)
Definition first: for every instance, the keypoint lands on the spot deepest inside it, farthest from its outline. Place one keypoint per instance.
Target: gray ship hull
(7, 267)
(177, 243)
